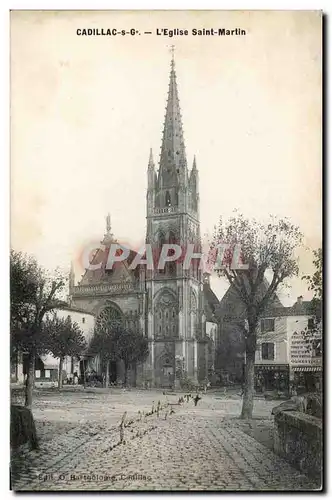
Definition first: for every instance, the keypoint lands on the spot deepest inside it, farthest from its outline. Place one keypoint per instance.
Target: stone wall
(298, 438)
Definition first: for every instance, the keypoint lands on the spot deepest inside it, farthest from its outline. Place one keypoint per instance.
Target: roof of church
(119, 271)
(231, 306)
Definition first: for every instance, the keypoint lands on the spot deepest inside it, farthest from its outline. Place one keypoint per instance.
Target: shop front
(272, 378)
(305, 363)
(307, 378)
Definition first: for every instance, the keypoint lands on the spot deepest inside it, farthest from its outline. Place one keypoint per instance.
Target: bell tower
(175, 321)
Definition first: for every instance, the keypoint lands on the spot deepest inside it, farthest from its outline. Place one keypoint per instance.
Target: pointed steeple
(194, 164)
(173, 155)
(71, 277)
(151, 162)
(152, 175)
(193, 174)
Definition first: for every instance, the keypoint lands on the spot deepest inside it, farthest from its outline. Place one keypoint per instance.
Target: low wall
(298, 438)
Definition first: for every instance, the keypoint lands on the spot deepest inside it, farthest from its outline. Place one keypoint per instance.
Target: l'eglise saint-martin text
(200, 32)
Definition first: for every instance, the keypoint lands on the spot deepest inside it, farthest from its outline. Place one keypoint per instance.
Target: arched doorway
(166, 365)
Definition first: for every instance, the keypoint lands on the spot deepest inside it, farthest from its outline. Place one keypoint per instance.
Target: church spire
(151, 162)
(71, 283)
(194, 169)
(71, 276)
(173, 155)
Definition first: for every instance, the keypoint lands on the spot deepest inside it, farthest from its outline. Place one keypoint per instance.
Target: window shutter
(264, 351)
(270, 351)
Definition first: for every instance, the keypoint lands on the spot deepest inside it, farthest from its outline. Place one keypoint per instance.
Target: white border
(4, 171)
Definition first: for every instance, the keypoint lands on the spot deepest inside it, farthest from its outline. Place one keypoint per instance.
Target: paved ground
(194, 448)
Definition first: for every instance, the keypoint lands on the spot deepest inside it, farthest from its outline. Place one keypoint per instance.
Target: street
(184, 448)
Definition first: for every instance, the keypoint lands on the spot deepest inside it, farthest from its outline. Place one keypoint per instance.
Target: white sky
(86, 110)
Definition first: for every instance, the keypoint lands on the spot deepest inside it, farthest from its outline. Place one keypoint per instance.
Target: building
(287, 355)
(168, 306)
(46, 366)
(231, 313)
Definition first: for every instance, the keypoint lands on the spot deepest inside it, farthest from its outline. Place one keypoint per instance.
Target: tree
(316, 280)
(116, 343)
(64, 338)
(101, 345)
(33, 293)
(130, 347)
(262, 248)
(313, 334)
(316, 285)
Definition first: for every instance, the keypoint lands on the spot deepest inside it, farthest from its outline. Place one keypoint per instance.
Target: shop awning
(272, 367)
(49, 362)
(307, 368)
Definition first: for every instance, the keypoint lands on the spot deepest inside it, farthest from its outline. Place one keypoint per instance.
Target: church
(174, 307)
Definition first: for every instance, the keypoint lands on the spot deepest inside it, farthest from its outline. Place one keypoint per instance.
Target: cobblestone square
(184, 448)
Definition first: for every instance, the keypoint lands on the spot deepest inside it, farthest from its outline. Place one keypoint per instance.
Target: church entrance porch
(165, 365)
(167, 379)
(112, 372)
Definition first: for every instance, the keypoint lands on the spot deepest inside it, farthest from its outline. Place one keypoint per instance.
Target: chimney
(300, 300)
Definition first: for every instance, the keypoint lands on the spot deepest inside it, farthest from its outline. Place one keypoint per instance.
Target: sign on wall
(301, 351)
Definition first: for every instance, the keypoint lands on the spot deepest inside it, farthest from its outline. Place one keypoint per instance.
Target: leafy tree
(315, 283)
(101, 345)
(115, 343)
(316, 280)
(130, 347)
(33, 293)
(313, 334)
(23, 287)
(64, 338)
(263, 248)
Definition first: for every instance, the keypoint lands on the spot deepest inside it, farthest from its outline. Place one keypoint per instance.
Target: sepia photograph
(166, 255)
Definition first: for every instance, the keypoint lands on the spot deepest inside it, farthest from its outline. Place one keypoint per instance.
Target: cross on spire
(172, 50)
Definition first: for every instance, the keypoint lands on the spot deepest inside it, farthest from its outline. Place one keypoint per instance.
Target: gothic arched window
(168, 199)
(193, 314)
(172, 237)
(170, 268)
(109, 316)
(162, 241)
(166, 323)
